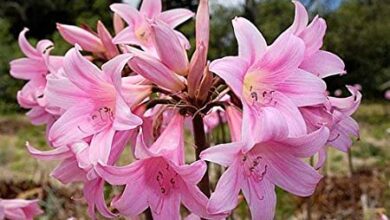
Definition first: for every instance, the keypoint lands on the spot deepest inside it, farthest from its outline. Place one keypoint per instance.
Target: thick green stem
(201, 144)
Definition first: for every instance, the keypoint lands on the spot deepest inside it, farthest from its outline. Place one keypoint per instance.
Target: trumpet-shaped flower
(319, 62)
(15, 209)
(93, 103)
(34, 68)
(159, 179)
(256, 169)
(138, 31)
(77, 167)
(264, 75)
(336, 115)
(173, 57)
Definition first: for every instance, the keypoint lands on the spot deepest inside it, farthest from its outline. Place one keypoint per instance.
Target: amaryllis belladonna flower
(140, 87)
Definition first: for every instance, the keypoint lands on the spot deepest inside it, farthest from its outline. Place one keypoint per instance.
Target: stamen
(337, 136)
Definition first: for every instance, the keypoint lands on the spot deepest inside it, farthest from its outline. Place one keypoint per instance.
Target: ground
(342, 194)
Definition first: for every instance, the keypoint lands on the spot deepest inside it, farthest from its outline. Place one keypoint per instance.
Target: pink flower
(264, 75)
(159, 179)
(172, 57)
(387, 95)
(99, 43)
(138, 31)
(93, 103)
(255, 169)
(34, 68)
(77, 166)
(16, 209)
(319, 62)
(336, 115)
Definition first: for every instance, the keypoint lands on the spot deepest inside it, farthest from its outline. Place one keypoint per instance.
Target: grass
(371, 156)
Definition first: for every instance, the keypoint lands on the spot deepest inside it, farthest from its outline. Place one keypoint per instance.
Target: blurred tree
(41, 16)
(359, 32)
(190, 4)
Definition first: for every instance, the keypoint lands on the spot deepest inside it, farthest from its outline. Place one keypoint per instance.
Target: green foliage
(8, 86)
(360, 33)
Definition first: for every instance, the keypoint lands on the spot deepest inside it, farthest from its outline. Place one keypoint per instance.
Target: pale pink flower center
(166, 179)
(254, 166)
(255, 91)
(102, 116)
(143, 33)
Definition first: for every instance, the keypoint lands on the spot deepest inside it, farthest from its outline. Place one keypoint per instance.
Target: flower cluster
(140, 87)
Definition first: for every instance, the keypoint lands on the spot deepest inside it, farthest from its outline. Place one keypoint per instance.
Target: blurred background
(355, 187)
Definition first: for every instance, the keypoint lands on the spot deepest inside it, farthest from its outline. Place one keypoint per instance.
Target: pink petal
(94, 194)
(120, 141)
(301, 18)
(61, 92)
(282, 57)
(183, 40)
(170, 143)
(196, 69)
(113, 69)
(122, 175)
(68, 171)
(83, 73)
(55, 63)
(118, 23)
(59, 153)
(152, 69)
(38, 116)
(261, 198)
(27, 69)
(194, 200)
(19, 209)
(234, 121)
(44, 45)
(290, 173)
(203, 24)
(192, 173)
(304, 89)
(134, 94)
(348, 105)
(124, 118)
(232, 70)
(74, 125)
(349, 125)
(128, 13)
(133, 200)
(75, 35)
(126, 36)
(100, 148)
(296, 123)
(322, 156)
(170, 208)
(262, 125)
(225, 197)
(313, 36)
(172, 54)
(324, 64)
(341, 132)
(306, 146)
(151, 8)
(175, 17)
(26, 47)
(223, 154)
(251, 43)
(106, 39)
